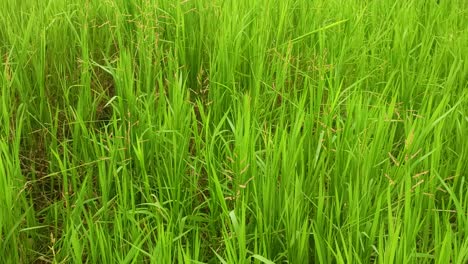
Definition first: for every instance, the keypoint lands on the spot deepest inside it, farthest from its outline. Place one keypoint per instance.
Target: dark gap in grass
(42, 190)
(104, 90)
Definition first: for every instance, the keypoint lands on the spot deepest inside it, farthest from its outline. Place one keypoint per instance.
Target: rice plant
(260, 131)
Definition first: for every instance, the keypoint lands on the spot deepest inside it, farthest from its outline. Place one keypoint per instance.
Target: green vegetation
(267, 131)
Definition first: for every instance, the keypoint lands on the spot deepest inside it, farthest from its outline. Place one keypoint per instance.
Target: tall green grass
(266, 131)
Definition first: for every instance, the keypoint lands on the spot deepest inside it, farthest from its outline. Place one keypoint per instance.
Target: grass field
(246, 131)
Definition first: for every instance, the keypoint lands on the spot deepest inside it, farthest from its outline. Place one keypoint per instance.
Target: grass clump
(233, 131)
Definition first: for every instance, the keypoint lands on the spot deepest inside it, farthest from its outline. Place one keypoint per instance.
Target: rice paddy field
(247, 131)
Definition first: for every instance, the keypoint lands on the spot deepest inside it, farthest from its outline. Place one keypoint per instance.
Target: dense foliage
(215, 131)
